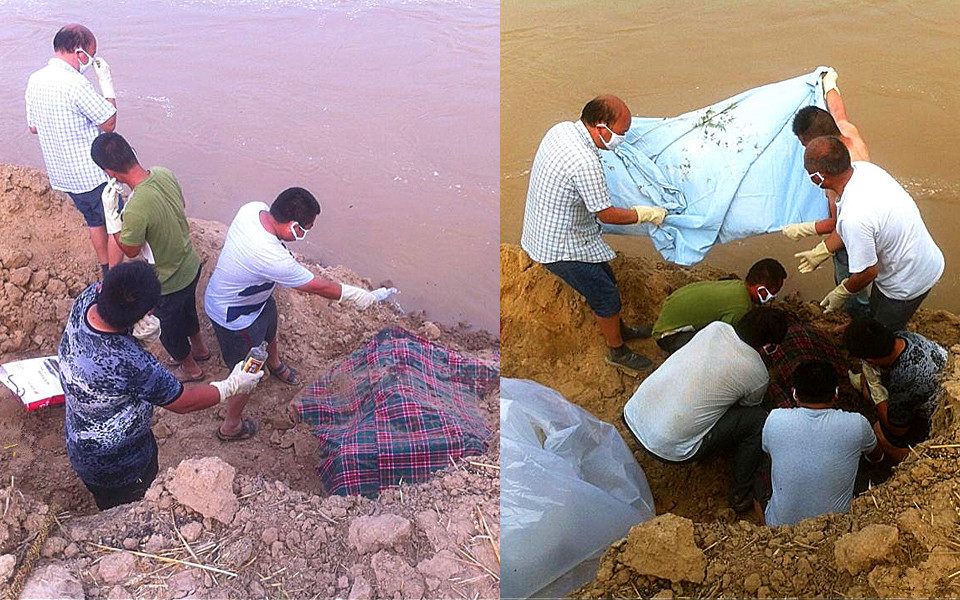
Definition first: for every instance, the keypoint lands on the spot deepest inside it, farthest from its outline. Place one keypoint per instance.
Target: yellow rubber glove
(877, 392)
(650, 214)
(110, 197)
(811, 259)
(830, 81)
(147, 330)
(238, 382)
(800, 230)
(360, 298)
(105, 77)
(836, 298)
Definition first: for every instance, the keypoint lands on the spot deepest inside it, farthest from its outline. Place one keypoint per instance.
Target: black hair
(767, 271)
(73, 36)
(295, 204)
(601, 109)
(129, 291)
(110, 151)
(826, 155)
(813, 122)
(815, 382)
(868, 338)
(762, 325)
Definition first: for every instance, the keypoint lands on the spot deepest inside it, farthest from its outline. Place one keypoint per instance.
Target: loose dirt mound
(45, 261)
(550, 336)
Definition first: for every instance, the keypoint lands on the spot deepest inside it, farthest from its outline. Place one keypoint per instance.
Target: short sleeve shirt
(699, 304)
(881, 225)
(154, 214)
(67, 113)
(567, 187)
(252, 261)
(111, 386)
(814, 454)
(913, 382)
(678, 404)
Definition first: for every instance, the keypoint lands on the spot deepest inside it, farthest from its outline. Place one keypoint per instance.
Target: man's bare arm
(111, 123)
(129, 251)
(853, 141)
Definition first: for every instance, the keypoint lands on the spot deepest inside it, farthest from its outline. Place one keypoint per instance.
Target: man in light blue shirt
(814, 449)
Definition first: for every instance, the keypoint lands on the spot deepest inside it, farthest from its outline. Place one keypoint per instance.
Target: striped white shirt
(66, 111)
(567, 188)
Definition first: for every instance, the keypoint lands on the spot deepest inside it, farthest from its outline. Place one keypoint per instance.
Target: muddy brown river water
(898, 64)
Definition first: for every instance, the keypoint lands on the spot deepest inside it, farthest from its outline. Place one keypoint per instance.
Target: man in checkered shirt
(566, 199)
(67, 113)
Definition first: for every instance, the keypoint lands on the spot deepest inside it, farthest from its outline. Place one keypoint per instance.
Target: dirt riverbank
(549, 336)
(285, 538)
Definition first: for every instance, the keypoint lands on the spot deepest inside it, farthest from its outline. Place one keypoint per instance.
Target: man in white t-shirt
(880, 225)
(239, 298)
(706, 398)
(814, 449)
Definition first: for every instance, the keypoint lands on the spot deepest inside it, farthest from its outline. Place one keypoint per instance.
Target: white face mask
(84, 66)
(766, 295)
(294, 227)
(615, 138)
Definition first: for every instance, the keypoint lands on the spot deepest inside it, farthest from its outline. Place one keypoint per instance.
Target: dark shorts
(594, 281)
(178, 319)
(106, 497)
(90, 205)
(894, 314)
(234, 345)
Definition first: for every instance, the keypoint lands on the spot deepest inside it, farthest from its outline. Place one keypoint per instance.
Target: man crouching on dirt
(706, 398)
(111, 385)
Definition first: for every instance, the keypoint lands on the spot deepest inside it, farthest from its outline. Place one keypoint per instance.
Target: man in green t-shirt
(154, 224)
(696, 305)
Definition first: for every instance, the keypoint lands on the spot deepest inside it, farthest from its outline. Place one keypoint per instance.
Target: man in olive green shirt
(154, 223)
(696, 305)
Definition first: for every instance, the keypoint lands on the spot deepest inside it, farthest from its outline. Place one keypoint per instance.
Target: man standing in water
(566, 201)
(812, 122)
(67, 114)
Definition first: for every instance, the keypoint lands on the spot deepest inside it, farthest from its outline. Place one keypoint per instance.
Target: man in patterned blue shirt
(111, 385)
(911, 367)
(567, 198)
(65, 111)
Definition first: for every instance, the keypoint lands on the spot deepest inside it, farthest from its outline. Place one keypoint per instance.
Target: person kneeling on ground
(696, 305)
(814, 449)
(111, 385)
(905, 389)
(705, 398)
(239, 298)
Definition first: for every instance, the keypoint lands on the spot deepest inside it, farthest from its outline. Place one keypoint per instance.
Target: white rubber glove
(800, 230)
(650, 214)
(362, 299)
(105, 78)
(147, 330)
(811, 259)
(877, 392)
(238, 382)
(111, 206)
(830, 81)
(836, 298)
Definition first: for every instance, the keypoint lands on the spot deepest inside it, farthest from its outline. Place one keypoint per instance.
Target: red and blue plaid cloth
(801, 344)
(398, 409)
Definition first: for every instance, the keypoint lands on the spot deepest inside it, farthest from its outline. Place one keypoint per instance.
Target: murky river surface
(387, 110)
(899, 64)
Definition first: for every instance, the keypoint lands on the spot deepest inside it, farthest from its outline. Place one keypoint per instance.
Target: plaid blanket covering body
(396, 410)
(801, 344)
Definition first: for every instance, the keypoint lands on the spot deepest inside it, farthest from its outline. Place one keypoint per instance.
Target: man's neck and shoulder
(571, 140)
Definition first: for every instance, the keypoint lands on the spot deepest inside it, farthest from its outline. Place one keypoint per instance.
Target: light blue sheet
(725, 172)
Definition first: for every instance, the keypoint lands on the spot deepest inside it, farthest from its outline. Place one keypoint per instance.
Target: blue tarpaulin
(724, 172)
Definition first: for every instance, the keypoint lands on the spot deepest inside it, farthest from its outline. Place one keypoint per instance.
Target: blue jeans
(594, 281)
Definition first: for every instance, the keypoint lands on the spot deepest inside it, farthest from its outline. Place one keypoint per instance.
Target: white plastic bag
(569, 487)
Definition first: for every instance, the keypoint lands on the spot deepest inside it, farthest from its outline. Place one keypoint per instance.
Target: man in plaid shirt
(67, 113)
(566, 199)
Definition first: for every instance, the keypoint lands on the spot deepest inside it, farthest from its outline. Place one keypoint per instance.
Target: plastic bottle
(382, 293)
(256, 358)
